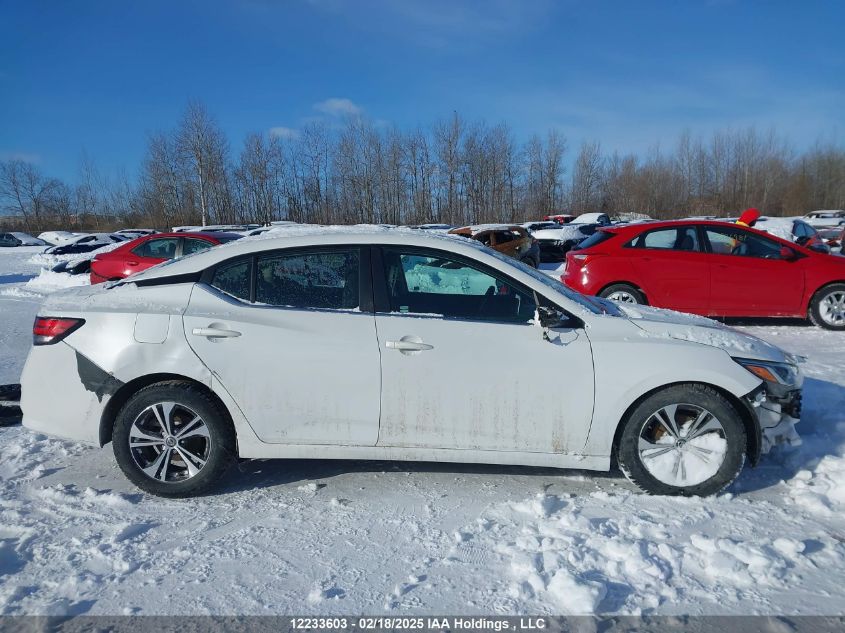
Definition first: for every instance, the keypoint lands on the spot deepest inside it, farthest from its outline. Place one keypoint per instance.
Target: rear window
(233, 279)
(595, 239)
(309, 280)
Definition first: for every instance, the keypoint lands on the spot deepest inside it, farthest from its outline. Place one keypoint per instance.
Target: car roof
(636, 229)
(303, 236)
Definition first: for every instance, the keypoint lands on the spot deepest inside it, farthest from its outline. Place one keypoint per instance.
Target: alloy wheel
(622, 296)
(169, 442)
(682, 445)
(832, 308)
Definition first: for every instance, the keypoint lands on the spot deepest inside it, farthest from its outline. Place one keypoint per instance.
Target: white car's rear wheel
(172, 439)
(683, 440)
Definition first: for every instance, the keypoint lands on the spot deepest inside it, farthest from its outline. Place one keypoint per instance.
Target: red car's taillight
(583, 258)
(49, 330)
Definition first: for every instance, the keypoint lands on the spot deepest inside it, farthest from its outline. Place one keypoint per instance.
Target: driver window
(734, 241)
(434, 285)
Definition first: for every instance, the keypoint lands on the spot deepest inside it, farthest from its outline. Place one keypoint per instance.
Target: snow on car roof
(475, 229)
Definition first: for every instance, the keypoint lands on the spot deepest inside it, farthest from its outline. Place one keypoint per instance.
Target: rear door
(672, 267)
(463, 367)
(291, 336)
(748, 276)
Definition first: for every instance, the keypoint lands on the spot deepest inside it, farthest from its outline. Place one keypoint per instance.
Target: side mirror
(552, 317)
(787, 254)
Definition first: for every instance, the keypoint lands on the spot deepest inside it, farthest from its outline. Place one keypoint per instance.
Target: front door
(748, 277)
(286, 336)
(463, 365)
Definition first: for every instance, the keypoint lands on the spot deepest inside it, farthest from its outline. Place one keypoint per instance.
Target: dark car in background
(556, 242)
(145, 252)
(509, 239)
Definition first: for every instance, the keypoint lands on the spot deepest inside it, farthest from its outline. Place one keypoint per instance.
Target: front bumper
(777, 410)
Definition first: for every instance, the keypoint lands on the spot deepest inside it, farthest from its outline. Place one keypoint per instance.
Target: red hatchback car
(710, 268)
(149, 250)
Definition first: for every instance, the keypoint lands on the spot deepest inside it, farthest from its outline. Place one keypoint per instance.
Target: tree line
(456, 172)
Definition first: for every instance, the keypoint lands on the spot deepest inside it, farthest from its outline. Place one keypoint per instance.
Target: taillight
(584, 258)
(49, 330)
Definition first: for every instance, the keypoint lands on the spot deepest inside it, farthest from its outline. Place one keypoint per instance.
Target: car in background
(795, 230)
(16, 238)
(556, 242)
(593, 218)
(216, 228)
(509, 239)
(133, 233)
(560, 218)
(712, 269)
(832, 217)
(86, 243)
(395, 345)
(59, 237)
(834, 238)
(145, 252)
(434, 226)
(540, 225)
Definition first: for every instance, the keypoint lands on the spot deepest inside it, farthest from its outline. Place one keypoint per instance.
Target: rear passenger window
(233, 279)
(678, 239)
(309, 280)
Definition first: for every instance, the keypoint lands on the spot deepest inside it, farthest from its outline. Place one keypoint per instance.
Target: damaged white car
(400, 345)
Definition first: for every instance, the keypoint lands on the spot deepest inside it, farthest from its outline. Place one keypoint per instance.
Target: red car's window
(194, 245)
(734, 241)
(683, 238)
(161, 248)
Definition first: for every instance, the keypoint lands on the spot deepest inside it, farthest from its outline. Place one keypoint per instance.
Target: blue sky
(98, 76)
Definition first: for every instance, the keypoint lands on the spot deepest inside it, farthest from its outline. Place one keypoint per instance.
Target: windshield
(593, 304)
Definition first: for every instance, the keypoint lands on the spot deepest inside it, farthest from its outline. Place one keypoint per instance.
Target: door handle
(408, 345)
(213, 332)
(131, 263)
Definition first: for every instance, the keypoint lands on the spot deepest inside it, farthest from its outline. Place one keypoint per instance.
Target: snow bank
(48, 281)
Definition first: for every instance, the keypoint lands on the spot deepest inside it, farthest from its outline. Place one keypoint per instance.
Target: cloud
(284, 132)
(339, 106)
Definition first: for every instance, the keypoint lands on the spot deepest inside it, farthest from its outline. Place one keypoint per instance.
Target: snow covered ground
(380, 537)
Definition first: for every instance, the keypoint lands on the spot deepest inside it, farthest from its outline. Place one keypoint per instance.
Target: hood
(662, 323)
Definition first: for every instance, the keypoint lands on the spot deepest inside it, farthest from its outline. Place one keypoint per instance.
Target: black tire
(636, 295)
(631, 462)
(815, 311)
(219, 450)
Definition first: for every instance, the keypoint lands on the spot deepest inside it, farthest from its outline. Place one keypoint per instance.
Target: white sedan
(401, 345)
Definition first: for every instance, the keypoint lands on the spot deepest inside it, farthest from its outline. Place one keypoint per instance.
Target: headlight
(779, 373)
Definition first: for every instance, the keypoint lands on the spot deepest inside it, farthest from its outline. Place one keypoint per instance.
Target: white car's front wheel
(683, 440)
(173, 440)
